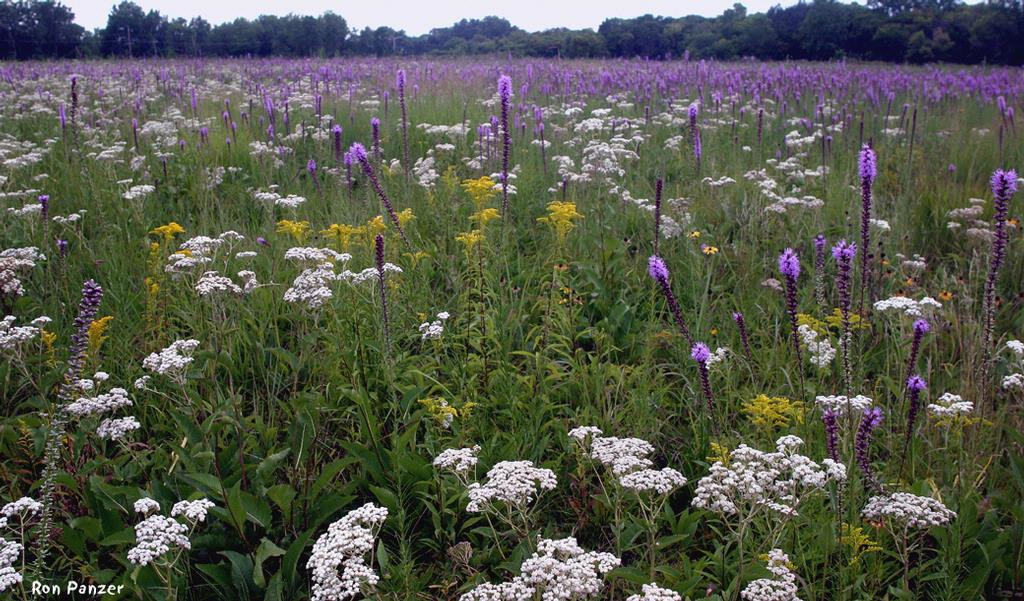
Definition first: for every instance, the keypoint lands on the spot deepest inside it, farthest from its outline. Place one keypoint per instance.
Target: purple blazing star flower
(868, 170)
(915, 384)
(400, 84)
(789, 264)
(62, 248)
(336, 130)
(831, 420)
(741, 324)
(870, 421)
(701, 353)
(311, 167)
(358, 152)
(1004, 185)
(379, 257)
(659, 272)
(375, 134)
(44, 205)
(262, 241)
(505, 95)
(819, 269)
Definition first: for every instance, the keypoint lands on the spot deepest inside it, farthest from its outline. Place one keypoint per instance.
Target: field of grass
(250, 332)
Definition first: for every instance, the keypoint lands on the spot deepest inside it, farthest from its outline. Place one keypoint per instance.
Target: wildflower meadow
(510, 329)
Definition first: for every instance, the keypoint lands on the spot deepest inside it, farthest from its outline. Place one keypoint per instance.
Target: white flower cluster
(514, 483)
(560, 570)
(117, 428)
(145, 505)
(194, 511)
(821, 352)
(136, 192)
(754, 479)
(950, 405)
(15, 262)
(155, 536)
(211, 283)
(12, 336)
(1015, 380)
(653, 592)
(841, 403)
(315, 256)
(432, 330)
(180, 263)
(781, 587)
(627, 458)
(908, 306)
(103, 403)
(22, 508)
(368, 274)
(173, 360)
(459, 461)
(312, 287)
(337, 561)
(10, 552)
(907, 510)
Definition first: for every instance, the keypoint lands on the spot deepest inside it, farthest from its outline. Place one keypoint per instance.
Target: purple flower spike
(701, 353)
(1004, 185)
(915, 384)
(831, 420)
(505, 95)
(657, 268)
(311, 167)
(741, 324)
(921, 326)
(862, 445)
(358, 152)
(789, 264)
(867, 165)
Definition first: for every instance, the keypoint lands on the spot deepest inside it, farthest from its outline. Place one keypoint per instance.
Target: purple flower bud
(820, 242)
(844, 251)
(44, 203)
(62, 248)
(916, 383)
(311, 167)
(1004, 185)
(921, 326)
(262, 241)
(700, 352)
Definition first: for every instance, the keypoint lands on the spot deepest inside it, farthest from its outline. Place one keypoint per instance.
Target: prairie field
(510, 329)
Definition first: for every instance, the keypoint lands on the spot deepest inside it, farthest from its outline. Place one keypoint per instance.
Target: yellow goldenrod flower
(97, 334)
(342, 234)
(375, 226)
(819, 327)
(168, 232)
(835, 320)
(484, 215)
(560, 216)
(719, 454)
(49, 338)
(860, 544)
(405, 216)
(470, 239)
(440, 410)
(480, 190)
(774, 412)
(296, 229)
(415, 258)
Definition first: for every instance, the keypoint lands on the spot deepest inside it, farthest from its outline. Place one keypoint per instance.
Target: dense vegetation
(358, 319)
(919, 31)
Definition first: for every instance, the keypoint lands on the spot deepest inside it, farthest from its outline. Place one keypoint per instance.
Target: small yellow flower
(946, 296)
(168, 232)
(860, 544)
(695, 234)
(774, 412)
(708, 250)
(480, 190)
(405, 216)
(296, 229)
(342, 234)
(97, 334)
(561, 216)
(835, 320)
(470, 239)
(49, 338)
(714, 331)
(819, 327)
(719, 454)
(484, 215)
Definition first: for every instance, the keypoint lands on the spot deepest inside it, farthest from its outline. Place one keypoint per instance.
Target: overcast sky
(418, 16)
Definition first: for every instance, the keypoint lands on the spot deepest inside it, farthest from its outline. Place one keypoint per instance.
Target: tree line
(915, 31)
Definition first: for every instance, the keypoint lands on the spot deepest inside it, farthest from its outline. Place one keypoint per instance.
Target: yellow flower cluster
(835, 320)
(168, 232)
(296, 229)
(341, 234)
(480, 190)
(719, 453)
(860, 544)
(774, 412)
(470, 240)
(97, 334)
(561, 216)
(443, 413)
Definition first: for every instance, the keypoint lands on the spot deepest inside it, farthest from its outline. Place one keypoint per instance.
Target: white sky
(420, 16)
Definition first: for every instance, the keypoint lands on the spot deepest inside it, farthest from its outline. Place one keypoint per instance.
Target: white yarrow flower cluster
(459, 461)
(145, 506)
(514, 483)
(907, 510)
(117, 428)
(22, 508)
(432, 330)
(841, 403)
(194, 511)
(560, 570)
(653, 592)
(781, 587)
(950, 405)
(113, 400)
(820, 351)
(156, 536)
(10, 554)
(337, 562)
(173, 360)
(312, 287)
(908, 306)
(12, 336)
(627, 458)
(754, 479)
